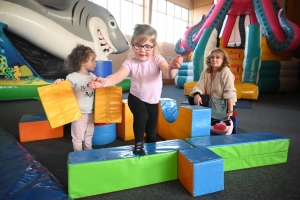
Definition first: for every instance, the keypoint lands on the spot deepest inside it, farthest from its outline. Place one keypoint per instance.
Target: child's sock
(139, 149)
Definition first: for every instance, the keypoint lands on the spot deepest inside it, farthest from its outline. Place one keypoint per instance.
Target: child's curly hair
(79, 55)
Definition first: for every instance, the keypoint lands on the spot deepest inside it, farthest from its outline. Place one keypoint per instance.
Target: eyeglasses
(147, 47)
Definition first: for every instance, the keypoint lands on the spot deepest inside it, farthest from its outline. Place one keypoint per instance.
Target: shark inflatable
(56, 26)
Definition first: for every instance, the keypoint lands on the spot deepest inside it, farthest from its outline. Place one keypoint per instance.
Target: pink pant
(82, 130)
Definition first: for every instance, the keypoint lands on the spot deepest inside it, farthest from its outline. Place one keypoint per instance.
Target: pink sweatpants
(82, 130)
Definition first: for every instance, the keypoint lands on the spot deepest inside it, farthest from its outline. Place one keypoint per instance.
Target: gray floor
(278, 113)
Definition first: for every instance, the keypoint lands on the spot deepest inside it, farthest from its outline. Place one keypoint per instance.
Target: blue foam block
(33, 118)
(208, 170)
(235, 124)
(104, 134)
(185, 102)
(200, 121)
(103, 68)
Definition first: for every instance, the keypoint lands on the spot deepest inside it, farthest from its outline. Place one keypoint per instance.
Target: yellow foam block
(188, 87)
(125, 129)
(108, 105)
(59, 103)
(191, 121)
(249, 91)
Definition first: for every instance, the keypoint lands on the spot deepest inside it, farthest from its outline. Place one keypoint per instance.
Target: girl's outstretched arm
(170, 70)
(98, 82)
(111, 80)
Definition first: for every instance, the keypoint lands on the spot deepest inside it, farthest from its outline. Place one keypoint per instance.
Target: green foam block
(98, 177)
(248, 155)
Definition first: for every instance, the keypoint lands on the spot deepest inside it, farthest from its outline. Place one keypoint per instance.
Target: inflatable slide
(17, 79)
(55, 27)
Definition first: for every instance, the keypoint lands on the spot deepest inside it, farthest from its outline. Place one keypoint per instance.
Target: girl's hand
(176, 62)
(97, 83)
(58, 81)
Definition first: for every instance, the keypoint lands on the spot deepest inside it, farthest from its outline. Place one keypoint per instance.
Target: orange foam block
(125, 129)
(36, 127)
(59, 103)
(108, 105)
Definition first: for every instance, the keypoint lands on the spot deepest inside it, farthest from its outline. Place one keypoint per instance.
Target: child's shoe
(139, 149)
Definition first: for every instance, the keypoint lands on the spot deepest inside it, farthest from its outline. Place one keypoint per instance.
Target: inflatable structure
(269, 36)
(56, 27)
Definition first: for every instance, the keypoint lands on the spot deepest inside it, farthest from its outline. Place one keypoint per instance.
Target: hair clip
(136, 25)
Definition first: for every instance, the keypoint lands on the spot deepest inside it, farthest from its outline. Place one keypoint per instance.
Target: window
(169, 19)
(131, 13)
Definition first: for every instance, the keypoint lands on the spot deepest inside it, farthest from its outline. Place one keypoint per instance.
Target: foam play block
(234, 119)
(112, 169)
(22, 176)
(103, 68)
(188, 87)
(36, 127)
(59, 103)
(125, 128)
(246, 150)
(192, 121)
(104, 134)
(108, 105)
(201, 171)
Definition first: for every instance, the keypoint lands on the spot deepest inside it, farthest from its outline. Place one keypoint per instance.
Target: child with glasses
(145, 68)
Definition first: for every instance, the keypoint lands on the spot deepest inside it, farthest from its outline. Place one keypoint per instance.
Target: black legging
(145, 117)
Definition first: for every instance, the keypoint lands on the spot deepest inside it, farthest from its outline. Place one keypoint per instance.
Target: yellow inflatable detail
(25, 71)
(268, 54)
(191, 55)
